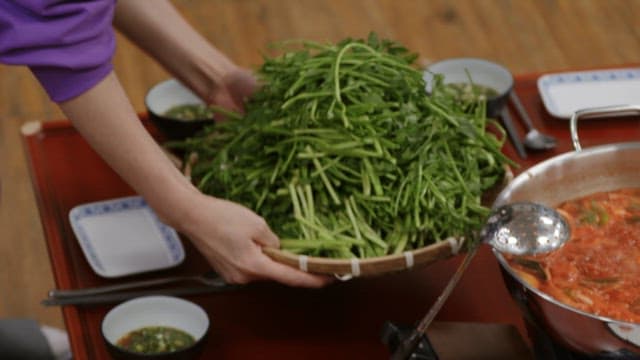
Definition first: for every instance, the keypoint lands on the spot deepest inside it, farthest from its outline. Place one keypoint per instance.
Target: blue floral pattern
(80, 212)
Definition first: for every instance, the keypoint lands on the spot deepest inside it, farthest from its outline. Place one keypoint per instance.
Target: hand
(231, 236)
(237, 85)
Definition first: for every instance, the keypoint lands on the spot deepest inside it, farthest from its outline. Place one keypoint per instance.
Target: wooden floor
(525, 35)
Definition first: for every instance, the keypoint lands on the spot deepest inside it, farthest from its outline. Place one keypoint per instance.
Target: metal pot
(558, 179)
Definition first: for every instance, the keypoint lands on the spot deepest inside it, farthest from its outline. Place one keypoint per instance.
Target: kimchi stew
(598, 269)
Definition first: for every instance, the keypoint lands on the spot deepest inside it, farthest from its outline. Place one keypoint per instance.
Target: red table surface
(268, 320)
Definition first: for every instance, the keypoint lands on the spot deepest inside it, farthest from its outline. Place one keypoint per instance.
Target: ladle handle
(408, 345)
(602, 111)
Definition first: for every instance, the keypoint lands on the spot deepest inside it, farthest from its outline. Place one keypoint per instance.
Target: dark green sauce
(469, 92)
(190, 112)
(156, 339)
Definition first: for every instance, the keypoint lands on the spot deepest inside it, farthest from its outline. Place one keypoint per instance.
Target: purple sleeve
(68, 45)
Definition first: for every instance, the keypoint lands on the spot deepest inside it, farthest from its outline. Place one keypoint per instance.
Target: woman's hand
(231, 237)
(235, 87)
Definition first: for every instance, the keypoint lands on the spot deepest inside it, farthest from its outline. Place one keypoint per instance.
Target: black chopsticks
(206, 283)
(110, 298)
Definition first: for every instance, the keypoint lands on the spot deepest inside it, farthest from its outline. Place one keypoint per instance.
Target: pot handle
(615, 110)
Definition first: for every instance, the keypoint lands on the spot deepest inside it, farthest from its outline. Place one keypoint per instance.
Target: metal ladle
(522, 228)
(525, 228)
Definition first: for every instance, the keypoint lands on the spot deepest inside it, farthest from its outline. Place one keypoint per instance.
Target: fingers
(242, 85)
(236, 87)
(265, 237)
(268, 268)
(258, 266)
(283, 273)
(293, 277)
(223, 99)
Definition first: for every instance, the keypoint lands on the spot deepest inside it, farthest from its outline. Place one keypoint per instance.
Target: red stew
(598, 269)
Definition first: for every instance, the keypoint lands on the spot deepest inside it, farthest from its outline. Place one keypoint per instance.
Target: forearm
(106, 119)
(229, 235)
(161, 31)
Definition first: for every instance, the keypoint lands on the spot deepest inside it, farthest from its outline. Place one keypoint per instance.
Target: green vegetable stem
(345, 155)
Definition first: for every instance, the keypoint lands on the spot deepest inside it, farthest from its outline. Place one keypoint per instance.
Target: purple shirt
(68, 45)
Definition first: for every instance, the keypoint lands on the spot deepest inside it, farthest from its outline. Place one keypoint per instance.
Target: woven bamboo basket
(354, 267)
(347, 268)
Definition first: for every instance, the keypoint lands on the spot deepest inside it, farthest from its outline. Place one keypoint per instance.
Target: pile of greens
(345, 155)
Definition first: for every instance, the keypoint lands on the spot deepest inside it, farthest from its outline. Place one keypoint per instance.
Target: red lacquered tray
(270, 321)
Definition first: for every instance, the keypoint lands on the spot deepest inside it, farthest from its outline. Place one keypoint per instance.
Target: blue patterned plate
(564, 93)
(124, 236)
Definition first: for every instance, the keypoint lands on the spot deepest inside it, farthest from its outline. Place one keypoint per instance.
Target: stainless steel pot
(561, 178)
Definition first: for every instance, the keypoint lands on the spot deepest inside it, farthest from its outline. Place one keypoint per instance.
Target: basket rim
(369, 266)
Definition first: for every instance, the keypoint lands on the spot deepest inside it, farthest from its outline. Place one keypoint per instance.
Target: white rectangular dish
(124, 236)
(564, 93)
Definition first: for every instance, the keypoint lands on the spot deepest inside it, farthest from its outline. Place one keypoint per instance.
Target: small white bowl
(155, 311)
(166, 95)
(482, 72)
